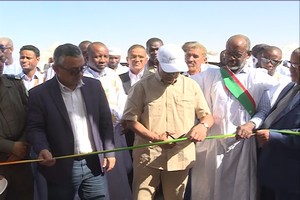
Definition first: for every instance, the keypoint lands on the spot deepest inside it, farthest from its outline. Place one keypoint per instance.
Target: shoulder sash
(238, 90)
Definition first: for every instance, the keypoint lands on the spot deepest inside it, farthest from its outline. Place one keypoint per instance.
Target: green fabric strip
(141, 146)
(286, 132)
(237, 91)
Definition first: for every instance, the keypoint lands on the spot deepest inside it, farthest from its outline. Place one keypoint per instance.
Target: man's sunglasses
(290, 64)
(273, 62)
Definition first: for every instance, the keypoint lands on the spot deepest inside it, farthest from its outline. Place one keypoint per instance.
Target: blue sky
(124, 23)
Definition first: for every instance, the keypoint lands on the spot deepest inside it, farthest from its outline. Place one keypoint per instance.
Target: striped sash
(238, 90)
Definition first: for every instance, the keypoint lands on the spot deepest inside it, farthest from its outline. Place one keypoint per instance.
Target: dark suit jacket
(48, 125)
(127, 82)
(279, 161)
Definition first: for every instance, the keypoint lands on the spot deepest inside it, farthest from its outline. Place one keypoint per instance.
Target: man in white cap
(160, 107)
(114, 61)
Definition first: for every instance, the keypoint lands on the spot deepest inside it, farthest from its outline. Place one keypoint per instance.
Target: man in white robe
(225, 169)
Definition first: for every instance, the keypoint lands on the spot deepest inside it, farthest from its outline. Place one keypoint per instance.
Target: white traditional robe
(225, 169)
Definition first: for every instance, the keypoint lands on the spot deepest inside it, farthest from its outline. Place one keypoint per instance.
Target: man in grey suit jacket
(69, 114)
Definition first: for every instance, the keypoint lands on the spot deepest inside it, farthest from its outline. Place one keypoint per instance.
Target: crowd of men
(86, 102)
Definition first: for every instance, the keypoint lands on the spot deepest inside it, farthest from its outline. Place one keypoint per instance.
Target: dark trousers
(270, 194)
(129, 136)
(188, 189)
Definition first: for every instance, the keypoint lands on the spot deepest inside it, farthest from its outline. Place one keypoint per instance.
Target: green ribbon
(286, 132)
(140, 146)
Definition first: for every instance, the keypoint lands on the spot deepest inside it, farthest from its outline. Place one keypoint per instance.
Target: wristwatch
(204, 124)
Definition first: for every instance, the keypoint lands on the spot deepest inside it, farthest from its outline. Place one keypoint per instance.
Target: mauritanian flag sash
(238, 90)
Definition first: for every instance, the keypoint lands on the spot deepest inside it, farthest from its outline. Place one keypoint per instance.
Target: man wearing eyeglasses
(294, 65)
(10, 66)
(225, 169)
(271, 60)
(69, 114)
(279, 161)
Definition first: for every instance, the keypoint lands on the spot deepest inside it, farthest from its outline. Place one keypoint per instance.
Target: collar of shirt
(150, 64)
(97, 74)
(186, 74)
(158, 78)
(297, 86)
(138, 76)
(64, 88)
(121, 67)
(26, 78)
(151, 67)
(243, 70)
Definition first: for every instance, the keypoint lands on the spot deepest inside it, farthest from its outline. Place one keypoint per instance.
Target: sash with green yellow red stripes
(238, 90)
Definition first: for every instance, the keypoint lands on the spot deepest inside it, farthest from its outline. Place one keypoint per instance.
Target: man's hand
(165, 137)
(263, 136)
(244, 131)
(197, 133)
(47, 157)
(13, 158)
(109, 163)
(160, 137)
(20, 149)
